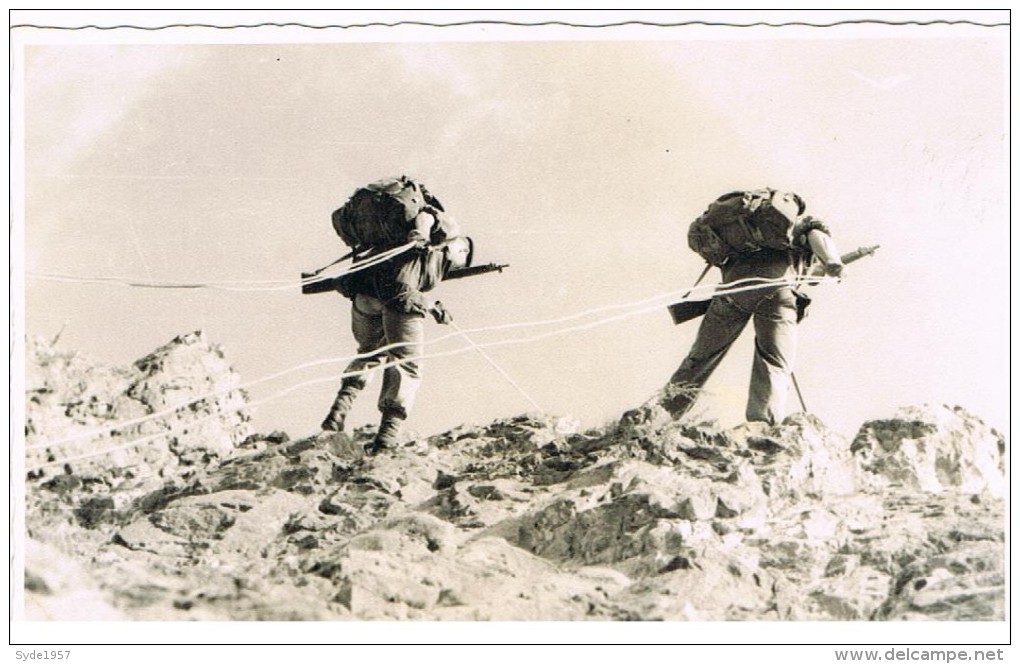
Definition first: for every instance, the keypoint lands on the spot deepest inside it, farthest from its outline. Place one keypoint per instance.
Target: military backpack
(739, 222)
(381, 214)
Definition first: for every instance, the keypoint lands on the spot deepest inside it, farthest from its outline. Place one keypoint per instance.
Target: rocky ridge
(193, 516)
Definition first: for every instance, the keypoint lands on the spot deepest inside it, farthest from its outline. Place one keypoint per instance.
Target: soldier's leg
(367, 327)
(402, 376)
(775, 326)
(722, 324)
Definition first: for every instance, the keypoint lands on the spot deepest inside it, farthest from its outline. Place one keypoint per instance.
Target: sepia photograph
(634, 327)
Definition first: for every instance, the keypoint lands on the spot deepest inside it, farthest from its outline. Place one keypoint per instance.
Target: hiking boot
(375, 447)
(677, 402)
(386, 438)
(333, 422)
(632, 417)
(648, 413)
(338, 411)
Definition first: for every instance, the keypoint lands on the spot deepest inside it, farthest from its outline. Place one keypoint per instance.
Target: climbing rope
(332, 379)
(268, 285)
(732, 287)
(502, 372)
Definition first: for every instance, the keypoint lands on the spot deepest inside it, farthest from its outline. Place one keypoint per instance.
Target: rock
(190, 373)
(58, 587)
(143, 535)
(967, 583)
(932, 449)
(190, 516)
(799, 457)
(847, 593)
(265, 521)
(178, 406)
(708, 587)
(198, 518)
(494, 580)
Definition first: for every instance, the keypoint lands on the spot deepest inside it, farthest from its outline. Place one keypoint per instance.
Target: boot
(338, 411)
(386, 437)
(334, 421)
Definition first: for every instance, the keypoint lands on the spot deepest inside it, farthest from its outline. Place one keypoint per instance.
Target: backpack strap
(339, 260)
(708, 266)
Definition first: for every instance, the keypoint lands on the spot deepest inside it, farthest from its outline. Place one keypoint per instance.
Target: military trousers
(376, 326)
(775, 327)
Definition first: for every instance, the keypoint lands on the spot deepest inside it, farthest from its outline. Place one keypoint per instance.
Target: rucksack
(382, 214)
(739, 222)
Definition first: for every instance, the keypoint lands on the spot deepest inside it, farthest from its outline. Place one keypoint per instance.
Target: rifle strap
(339, 260)
(708, 266)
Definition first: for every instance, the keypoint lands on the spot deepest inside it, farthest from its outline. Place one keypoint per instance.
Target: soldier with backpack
(756, 237)
(388, 301)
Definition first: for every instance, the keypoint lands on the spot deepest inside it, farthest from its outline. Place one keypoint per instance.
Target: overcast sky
(578, 162)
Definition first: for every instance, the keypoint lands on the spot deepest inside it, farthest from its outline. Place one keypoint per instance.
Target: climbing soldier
(758, 238)
(388, 300)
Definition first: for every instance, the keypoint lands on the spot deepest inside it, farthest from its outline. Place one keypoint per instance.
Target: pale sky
(578, 162)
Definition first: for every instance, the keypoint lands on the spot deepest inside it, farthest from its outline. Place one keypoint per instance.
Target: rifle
(681, 312)
(330, 285)
(854, 255)
(460, 273)
(324, 286)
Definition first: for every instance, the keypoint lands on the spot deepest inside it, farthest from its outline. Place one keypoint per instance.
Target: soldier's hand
(419, 240)
(442, 316)
(834, 270)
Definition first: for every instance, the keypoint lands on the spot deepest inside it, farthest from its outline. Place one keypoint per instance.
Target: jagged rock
(527, 518)
(800, 456)
(967, 583)
(848, 592)
(495, 580)
(180, 405)
(206, 517)
(265, 521)
(706, 587)
(930, 449)
(66, 392)
(192, 374)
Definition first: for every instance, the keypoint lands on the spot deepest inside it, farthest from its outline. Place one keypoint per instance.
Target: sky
(578, 158)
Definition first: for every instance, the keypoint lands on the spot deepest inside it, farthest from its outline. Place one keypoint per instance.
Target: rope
(332, 379)
(671, 296)
(268, 285)
(752, 283)
(498, 368)
(381, 257)
(97, 432)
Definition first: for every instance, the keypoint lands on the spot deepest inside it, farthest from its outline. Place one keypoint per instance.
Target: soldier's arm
(813, 234)
(433, 226)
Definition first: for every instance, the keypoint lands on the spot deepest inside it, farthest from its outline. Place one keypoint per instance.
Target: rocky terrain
(191, 515)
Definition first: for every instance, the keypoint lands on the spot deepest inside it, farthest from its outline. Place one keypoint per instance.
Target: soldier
(388, 308)
(757, 235)
(388, 301)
